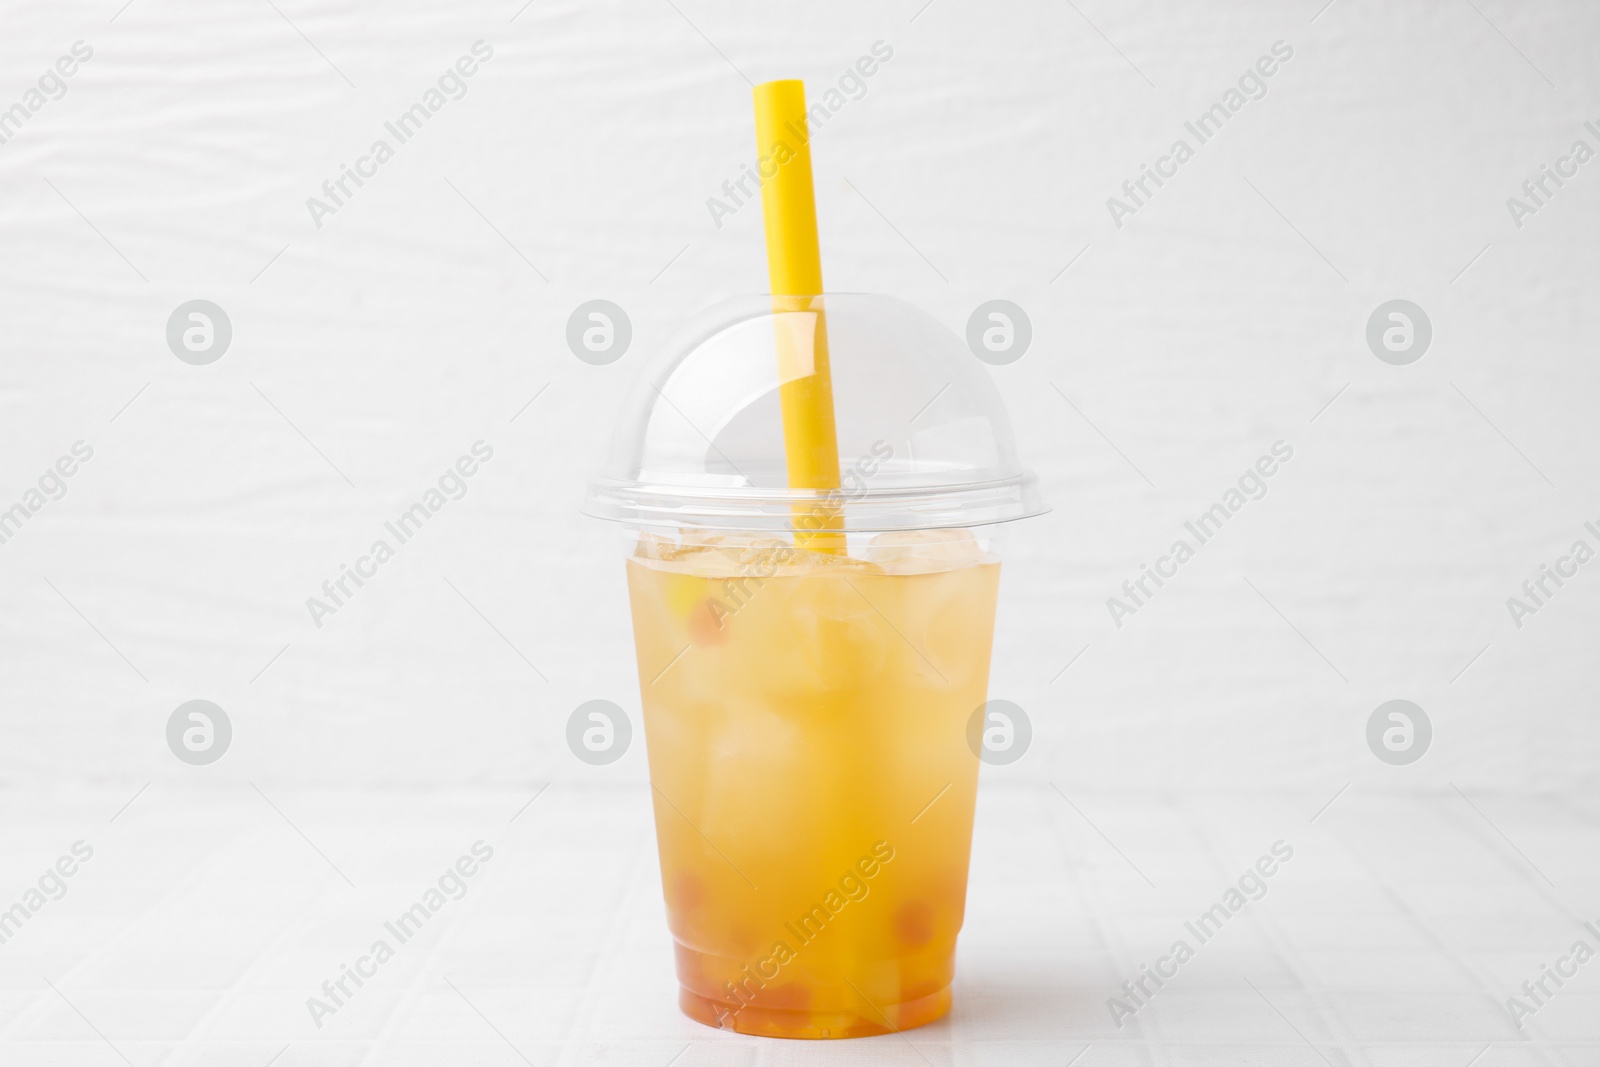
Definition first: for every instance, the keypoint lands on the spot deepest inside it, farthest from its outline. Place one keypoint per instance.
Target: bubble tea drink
(814, 789)
(810, 489)
(806, 712)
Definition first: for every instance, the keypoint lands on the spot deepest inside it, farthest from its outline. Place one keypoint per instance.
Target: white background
(371, 352)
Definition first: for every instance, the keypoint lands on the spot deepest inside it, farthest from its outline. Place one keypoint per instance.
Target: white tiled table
(205, 920)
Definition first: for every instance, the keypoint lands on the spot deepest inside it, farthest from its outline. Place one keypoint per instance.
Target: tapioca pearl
(685, 892)
(914, 923)
(709, 622)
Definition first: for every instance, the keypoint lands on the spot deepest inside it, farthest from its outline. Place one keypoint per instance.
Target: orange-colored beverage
(806, 717)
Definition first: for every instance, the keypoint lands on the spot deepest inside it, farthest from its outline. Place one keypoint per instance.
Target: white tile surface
(182, 946)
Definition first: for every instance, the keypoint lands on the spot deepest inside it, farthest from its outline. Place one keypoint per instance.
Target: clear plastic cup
(806, 713)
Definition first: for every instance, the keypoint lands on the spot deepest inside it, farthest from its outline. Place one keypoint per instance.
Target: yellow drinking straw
(794, 268)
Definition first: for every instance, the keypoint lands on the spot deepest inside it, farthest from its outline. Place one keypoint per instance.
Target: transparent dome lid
(923, 437)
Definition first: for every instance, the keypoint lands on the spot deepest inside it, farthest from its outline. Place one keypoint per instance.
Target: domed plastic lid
(923, 437)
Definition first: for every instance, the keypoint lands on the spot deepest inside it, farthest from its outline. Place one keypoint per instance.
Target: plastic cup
(806, 713)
